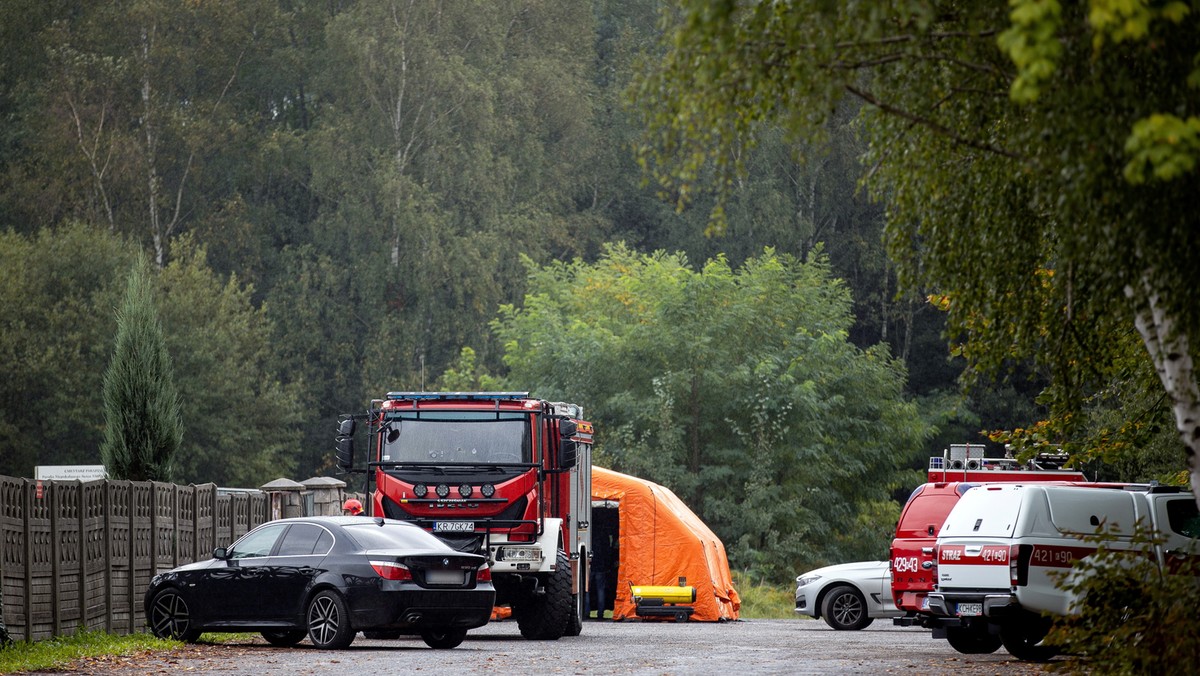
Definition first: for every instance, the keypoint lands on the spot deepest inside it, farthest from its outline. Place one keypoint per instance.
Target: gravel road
(796, 646)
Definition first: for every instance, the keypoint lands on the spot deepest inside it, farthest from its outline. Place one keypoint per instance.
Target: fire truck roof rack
(484, 396)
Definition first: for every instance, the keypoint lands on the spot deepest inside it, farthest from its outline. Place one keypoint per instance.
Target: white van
(1003, 547)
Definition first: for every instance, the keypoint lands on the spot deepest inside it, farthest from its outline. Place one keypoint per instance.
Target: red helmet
(353, 506)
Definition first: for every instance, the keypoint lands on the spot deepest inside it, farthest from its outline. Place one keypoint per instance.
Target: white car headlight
(805, 580)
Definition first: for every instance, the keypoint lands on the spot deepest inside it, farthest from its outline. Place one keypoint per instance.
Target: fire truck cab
(496, 473)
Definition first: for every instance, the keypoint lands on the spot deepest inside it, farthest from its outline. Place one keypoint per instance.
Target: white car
(848, 595)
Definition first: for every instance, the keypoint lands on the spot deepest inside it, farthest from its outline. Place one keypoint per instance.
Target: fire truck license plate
(970, 609)
(454, 526)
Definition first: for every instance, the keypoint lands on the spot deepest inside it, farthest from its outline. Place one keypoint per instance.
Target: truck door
(1178, 521)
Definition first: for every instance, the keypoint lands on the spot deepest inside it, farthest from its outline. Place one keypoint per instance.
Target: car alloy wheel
(328, 622)
(171, 618)
(845, 609)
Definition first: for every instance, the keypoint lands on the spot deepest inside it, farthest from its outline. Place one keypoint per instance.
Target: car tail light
(484, 574)
(390, 570)
(1013, 553)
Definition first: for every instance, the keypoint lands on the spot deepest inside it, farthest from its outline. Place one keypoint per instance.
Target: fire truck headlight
(519, 554)
(443, 490)
(465, 490)
(487, 490)
(420, 490)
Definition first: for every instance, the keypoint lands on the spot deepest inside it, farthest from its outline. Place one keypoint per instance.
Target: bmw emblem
(445, 562)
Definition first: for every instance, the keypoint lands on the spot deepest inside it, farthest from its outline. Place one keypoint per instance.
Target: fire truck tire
(575, 620)
(1023, 636)
(973, 640)
(443, 638)
(544, 617)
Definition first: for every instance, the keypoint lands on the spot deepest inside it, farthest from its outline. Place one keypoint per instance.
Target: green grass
(761, 601)
(58, 652)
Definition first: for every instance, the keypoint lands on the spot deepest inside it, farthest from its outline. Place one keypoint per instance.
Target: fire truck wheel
(973, 640)
(575, 619)
(1023, 636)
(443, 639)
(544, 617)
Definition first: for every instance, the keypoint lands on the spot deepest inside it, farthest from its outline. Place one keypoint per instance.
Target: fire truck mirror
(568, 453)
(345, 444)
(567, 428)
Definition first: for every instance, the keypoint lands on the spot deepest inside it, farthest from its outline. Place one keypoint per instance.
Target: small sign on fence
(69, 472)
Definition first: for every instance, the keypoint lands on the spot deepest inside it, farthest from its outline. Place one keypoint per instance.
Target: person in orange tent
(352, 507)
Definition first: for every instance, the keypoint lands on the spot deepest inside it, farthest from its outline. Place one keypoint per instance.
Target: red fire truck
(496, 473)
(914, 569)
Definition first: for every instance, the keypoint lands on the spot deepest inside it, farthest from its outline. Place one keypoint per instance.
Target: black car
(327, 578)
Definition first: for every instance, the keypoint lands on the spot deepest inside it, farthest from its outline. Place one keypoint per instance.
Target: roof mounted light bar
(482, 396)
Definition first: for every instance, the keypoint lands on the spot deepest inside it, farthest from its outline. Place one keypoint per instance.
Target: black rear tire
(545, 617)
(1023, 637)
(170, 617)
(328, 621)
(973, 640)
(845, 609)
(443, 638)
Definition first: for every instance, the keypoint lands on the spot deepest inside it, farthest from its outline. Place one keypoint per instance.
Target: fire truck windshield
(468, 437)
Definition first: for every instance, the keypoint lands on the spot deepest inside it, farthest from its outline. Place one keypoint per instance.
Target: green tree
(736, 388)
(58, 288)
(243, 424)
(143, 424)
(1037, 160)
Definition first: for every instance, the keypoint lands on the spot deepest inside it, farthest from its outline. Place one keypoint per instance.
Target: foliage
(59, 289)
(1133, 619)
(762, 600)
(1025, 154)
(236, 406)
(467, 375)
(59, 652)
(143, 426)
(736, 388)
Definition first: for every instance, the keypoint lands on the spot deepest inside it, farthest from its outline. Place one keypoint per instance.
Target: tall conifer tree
(143, 424)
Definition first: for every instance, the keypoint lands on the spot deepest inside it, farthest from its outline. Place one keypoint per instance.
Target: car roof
(346, 521)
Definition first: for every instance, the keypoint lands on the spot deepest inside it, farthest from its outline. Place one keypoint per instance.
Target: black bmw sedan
(327, 578)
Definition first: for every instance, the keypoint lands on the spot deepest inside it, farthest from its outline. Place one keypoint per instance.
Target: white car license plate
(454, 527)
(444, 576)
(970, 609)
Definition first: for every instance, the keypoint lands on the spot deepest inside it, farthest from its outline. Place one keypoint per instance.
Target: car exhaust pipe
(413, 617)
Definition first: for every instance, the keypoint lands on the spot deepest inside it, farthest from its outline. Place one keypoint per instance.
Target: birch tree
(1037, 159)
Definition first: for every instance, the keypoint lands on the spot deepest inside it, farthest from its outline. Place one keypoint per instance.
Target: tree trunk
(1169, 350)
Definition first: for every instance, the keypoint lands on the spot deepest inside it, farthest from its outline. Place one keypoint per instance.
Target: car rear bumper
(459, 608)
(992, 604)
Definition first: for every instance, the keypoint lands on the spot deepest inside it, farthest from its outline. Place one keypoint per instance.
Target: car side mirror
(220, 553)
(344, 446)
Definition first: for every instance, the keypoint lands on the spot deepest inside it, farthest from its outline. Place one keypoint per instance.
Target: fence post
(108, 558)
(55, 561)
(132, 506)
(27, 506)
(80, 509)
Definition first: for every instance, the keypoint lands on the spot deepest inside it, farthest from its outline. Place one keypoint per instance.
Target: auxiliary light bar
(487, 396)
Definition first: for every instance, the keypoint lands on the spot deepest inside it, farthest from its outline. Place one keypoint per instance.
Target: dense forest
(343, 198)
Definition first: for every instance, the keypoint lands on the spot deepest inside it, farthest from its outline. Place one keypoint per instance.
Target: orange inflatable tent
(661, 541)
